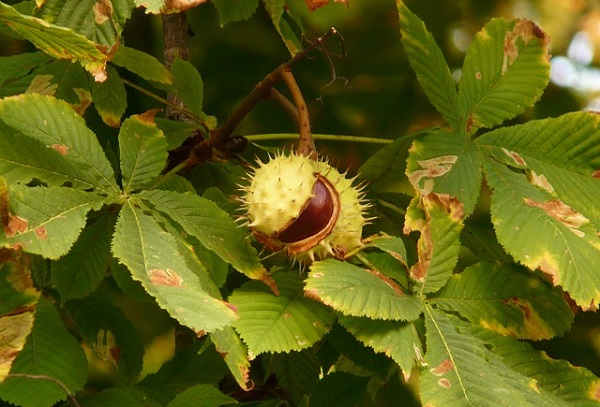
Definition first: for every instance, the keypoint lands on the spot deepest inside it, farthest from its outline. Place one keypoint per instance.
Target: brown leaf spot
(431, 168)
(41, 233)
(450, 203)
(15, 225)
(550, 270)
(42, 85)
(541, 181)
(525, 30)
(61, 148)
(312, 294)
(563, 213)
(478, 75)
(444, 367)
(517, 159)
(596, 174)
(165, 277)
(102, 11)
(148, 116)
(445, 383)
(268, 280)
(391, 283)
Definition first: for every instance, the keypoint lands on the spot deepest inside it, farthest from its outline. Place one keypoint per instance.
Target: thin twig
(175, 29)
(306, 144)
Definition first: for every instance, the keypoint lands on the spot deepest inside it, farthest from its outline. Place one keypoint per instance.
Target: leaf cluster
(432, 305)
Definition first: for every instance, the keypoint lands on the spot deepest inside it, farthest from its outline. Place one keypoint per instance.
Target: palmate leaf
(446, 163)
(142, 64)
(396, 339)
(46, 221)
(283, 323)
(143, 151)
(54, 123)
(462, 370)
(505, 71)
(212, 226)
(428, 62)
(101, 24)
(545, 213)
(152, 256)
(50, 363)
(57, 41)
(508, 300)
(354, 291)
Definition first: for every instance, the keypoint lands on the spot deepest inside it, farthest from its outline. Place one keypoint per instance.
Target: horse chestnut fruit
(305, 207)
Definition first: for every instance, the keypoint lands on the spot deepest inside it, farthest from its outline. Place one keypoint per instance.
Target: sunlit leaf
(59, 42)
(506, 69)
(47, 221)
(212, 226)
(283, 323)
(16, 287)
(228, 343)
(80, 272)
(396, 339)
(101, 22)
(14, 330)
(354, 291)
(506, 299)
(143, 151)
(58, 127)
(446, 163)
(152, 256)
(462, 370)
(50, 363)
(542, 231)
(428, 62)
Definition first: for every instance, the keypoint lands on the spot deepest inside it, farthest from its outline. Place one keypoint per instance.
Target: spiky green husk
(279, 190)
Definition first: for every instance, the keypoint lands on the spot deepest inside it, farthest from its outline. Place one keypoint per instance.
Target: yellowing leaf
(14, 330)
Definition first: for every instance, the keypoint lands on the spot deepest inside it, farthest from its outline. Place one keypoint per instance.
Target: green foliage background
(128, 325)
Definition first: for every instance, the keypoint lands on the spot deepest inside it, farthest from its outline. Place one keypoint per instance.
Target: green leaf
(16, 286)
(547, 231)
(275, 9)
(228, 343)
(212, 226)
(439, 245)
(201, 395)
(99, 22)
(189, 85)
(397, 340)
(152, 256)
(297, 372)
(120, 397)
(14, 331)
(111, 336)
(358, 292)
(142, 64)
(283, 323)
(110, 98)
(58, 127)
(506, 69)
(428, 62)
(508, 300)
(461, 370)
(17, 66)
(575, 385)
(51, 363)
(80, 272)
(446, 163)
(143, 151)
(47, 221)
(231, 11)
(390, 244)
(387, 166)
(59, 42)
